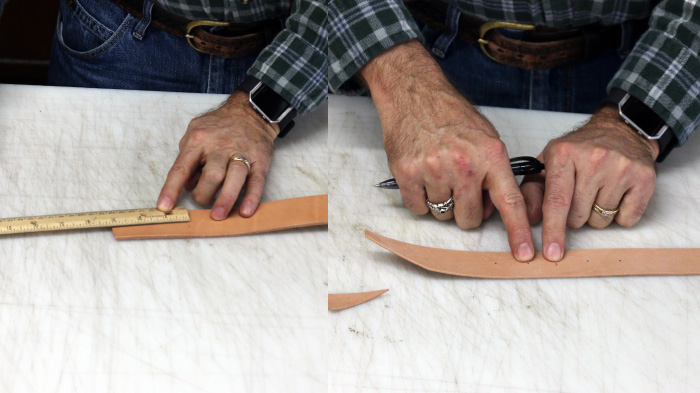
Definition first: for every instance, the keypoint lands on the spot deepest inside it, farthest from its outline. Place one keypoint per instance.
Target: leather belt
(576, 263)
(233, 40)
(544, 47)
(341, 301)
(270, 216)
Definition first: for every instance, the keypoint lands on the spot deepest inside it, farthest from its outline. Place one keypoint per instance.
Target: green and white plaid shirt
(663, 69)
(295, 64)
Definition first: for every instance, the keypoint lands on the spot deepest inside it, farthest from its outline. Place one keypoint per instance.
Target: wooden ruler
(102, 219)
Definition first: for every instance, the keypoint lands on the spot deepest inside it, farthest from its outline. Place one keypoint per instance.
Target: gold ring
(241, 159)
(606, 213)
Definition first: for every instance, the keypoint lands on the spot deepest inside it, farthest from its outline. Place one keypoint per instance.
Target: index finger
(184, 166)
(507, 198)
(558, 192)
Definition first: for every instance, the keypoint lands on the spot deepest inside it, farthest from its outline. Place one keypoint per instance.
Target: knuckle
(256, 181)
(519, 232)
(576, 219)
(462, 162)
(415, 208)
(575, 223)
(513, 200)
(214, 174)
(470, 223)
(198, 135)
(557, 199)
(470, 214)
(597, 224)
(628, 220)
(179, 170)
(495, 149)
(418, 210)
(404, 170)
(561, 150)
(598, 157)
(624, 165)
(625, 222)
(201, 197)
(433, 163)
(648, 178)
(637, 213)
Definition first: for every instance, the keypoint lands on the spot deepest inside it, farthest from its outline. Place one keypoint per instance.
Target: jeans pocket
(88, 28)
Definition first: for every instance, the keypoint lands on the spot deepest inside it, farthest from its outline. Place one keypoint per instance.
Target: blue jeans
(97, 44)
(579, 87)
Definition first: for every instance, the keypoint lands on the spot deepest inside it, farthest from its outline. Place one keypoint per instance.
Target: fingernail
(525, 252)
(554, 253)
(165, 204)
(218, 213)
(247, 209)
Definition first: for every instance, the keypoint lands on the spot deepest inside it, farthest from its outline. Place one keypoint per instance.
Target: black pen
(520, 165)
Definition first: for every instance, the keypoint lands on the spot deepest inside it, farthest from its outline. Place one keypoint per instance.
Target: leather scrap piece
(270, 216)
(576, 263)
(341, 301)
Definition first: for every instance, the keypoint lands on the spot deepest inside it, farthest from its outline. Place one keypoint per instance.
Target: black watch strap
(269, 104)
(668, 139)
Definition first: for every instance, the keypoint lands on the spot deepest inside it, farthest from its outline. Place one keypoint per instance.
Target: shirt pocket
(88, 28)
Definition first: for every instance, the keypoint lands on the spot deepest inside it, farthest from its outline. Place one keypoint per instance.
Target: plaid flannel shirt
(295, 64)
(662, 70)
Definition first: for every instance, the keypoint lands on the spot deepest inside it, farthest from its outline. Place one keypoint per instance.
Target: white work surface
(438, 333)
(81, 312)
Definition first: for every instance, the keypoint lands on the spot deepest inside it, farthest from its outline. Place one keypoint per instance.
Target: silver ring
(441, 208)
(241, 159)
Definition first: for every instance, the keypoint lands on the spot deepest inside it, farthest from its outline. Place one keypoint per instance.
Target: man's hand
(438, 145)
(204, 163)
(604, 162)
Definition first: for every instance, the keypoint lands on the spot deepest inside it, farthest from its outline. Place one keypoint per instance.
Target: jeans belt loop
(625, 39)
(442, 44)
(140, 29)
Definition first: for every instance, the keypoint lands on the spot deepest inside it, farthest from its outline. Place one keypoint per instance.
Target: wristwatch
(270, 105)
(644, 120)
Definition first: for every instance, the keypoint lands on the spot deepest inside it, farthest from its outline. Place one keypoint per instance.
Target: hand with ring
(446, 157)
(225, 149)
(602, 172)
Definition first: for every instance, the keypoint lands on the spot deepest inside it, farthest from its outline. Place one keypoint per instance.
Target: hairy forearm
(609, 115)
(405, 72)
(407, 78)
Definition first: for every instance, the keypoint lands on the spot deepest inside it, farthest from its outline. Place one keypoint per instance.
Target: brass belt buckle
(497, 25)
(196, 23)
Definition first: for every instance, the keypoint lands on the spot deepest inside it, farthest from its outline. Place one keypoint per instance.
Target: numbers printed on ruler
(102, 219)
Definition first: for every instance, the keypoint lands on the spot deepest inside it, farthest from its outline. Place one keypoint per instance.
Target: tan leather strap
(270, 216)
(576, 263)
(341, 301)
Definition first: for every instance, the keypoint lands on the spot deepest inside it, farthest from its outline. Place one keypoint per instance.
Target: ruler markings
(101, 219)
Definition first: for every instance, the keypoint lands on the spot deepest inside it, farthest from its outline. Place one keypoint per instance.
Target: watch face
(269, 103)
(641, 117)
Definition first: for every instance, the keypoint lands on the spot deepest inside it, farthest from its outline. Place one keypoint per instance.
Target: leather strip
(341, 301)
(576, 263)
(241, 39)
(270, 216)
(545, 48)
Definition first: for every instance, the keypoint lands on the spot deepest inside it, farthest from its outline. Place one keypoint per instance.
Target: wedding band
(241, 159)
(441, 208)
(606, 213)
